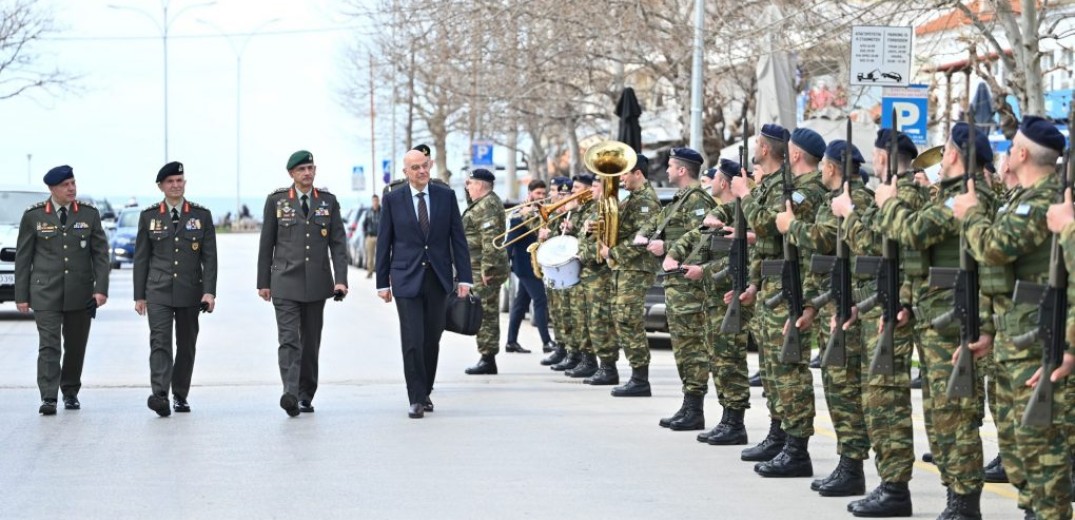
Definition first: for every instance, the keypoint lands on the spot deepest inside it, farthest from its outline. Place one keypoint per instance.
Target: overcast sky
(111, 130)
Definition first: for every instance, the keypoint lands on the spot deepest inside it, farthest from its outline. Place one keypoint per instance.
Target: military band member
(561, 187)
(483, 220)
(61, 272)
(531, 288)
(175, 272)
(302, 235)
(595, 282)
(685, 296)
(579, 346)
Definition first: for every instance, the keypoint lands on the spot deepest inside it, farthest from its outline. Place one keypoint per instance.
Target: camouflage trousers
(952, 424)
(843, 390)
(628, 316)
(555, 319)
(791, 383)
(1035, 458)
(488, 337)
(728, 358)
(687, 323)
(598, 311)
(886, 402)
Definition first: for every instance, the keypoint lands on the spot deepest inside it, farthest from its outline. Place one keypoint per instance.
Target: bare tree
(23, 24)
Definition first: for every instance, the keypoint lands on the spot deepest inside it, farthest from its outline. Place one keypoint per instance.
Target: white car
(13, 203)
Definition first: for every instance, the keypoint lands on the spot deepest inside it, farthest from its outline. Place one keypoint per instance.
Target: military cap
(1043, 132)
(982, 150)
(904, 145)
(58, 175)
(775, 131)
(422, 148)
(561, 184)
(584, 178)
(642, 163)
(810, 141)
(482, 174)
(730, 168)
(835, 151)
(710, 173)
(686, 155)
(170, 169)
(299, 158)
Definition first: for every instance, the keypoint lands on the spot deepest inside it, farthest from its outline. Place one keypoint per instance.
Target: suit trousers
(164, 373)
(74, 328)
(298, 326)
(530, 289)
(421, 323)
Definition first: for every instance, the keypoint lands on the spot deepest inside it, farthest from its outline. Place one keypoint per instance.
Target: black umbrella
(982, 106)
(628, 110)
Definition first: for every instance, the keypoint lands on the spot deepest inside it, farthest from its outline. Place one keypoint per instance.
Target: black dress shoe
(159, 404)
(290, 404)
(816, 361)
(548, 347)
(181, 405)
(428, 405)
(486, 366)
(71, 403)
(306, 407)
(416, 411)
(755, 380)
(994, 472)
(515, 347)
(48, 407)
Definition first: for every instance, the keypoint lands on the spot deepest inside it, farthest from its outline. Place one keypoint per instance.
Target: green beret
(299, 158)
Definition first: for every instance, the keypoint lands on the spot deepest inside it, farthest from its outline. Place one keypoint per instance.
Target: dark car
(121, 245)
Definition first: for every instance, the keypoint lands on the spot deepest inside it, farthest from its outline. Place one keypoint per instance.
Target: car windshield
(128, 219)
(14, 203)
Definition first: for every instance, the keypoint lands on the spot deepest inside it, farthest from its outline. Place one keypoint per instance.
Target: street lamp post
(163, 25)
(28, 169)
(239, 48)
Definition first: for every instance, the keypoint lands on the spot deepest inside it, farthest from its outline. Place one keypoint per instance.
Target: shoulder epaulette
(196, 205)
(151, 207)
(35, 206)
(84, 203)
(280, 190)
(324, 190)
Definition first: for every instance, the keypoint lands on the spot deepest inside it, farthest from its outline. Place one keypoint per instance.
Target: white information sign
(881, 56)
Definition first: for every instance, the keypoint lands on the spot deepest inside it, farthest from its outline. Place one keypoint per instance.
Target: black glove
(338, 295)
(204, 307)
(91, 307)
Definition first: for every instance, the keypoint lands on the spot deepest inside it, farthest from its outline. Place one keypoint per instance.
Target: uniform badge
(324, 232)
(1003, 208)
(950, 203)
(194, 246)
(699, 212)
(1022, 210)
(797, 197)
(644, 209)
(82, 244)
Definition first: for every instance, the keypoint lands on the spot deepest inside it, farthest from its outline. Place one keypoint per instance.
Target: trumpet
(545, 215)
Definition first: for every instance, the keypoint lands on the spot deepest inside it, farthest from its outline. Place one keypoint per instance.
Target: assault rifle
(736, 248)
(702, 245)
(791, 280)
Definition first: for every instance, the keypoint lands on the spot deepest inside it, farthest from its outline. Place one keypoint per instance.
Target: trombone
(545, 215)
(523, 205)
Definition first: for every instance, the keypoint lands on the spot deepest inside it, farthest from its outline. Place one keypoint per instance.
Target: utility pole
(697, 78)
(373, 130)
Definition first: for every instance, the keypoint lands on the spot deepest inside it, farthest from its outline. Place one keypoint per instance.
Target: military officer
(483, 220)
(684, 295)
(61, 272)
(175, 271)
(1017, 240)
(302, 235)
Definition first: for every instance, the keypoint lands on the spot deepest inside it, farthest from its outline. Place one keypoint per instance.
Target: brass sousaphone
(929, 161)
(609, 160)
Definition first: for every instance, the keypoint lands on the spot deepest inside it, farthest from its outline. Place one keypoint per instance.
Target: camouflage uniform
(575, 310)
(685, 300)
(482, 221)
(633, 271)
(1015, 244)
(767, 246)
(596, 280)
(843, 385)
(952, 425)
(793, 383)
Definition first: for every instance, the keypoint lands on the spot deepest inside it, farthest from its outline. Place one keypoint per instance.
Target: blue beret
(482, 175)
(982, 150)
(835, 152)
(686, 155)
(561, 184)
(1043, 132)
(584, 178)
(730, 168)
(810, 141)
(58, 175)
(904, 145)
(170, 169)
(299, 158)
(711, 172)
(775, 131)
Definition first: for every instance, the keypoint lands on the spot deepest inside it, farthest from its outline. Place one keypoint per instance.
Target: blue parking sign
(912, 111)
(481, 153)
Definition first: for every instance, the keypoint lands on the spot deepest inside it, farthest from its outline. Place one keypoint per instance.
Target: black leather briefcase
(464, 314)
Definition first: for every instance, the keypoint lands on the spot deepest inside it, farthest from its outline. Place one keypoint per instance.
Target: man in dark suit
(301, 235)
(175, 271)
(419, 244)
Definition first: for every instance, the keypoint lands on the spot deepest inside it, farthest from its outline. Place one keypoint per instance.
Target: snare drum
(559, 263)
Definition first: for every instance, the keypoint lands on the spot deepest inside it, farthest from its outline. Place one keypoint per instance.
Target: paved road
(525, 444)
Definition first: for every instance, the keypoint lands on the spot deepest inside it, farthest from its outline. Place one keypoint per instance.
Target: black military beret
(170, 169)
(904, 145)
(584, 178)
(422, 148)
(835, 152)
(299, 158)
(775, 131)
(810, 141)
(58, 175)
(686, 155)
(730, 168)
(482, 175)
(561, 184)
(1043, 132)
(710, 173)
(982, 151)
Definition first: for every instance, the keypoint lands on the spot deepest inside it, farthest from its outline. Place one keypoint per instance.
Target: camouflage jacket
(685, 212)
(482, 221)
(640, 208)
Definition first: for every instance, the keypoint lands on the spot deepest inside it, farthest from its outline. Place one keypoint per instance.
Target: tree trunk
(572, 139)
(510, 174)
(1035, 94)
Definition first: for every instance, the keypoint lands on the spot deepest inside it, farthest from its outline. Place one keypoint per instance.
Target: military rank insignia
(321, 212)
(81, 225)
(193, 224)
(154, 224)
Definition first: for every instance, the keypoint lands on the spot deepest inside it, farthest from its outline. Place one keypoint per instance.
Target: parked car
(13, 203)
(356, 237)
(121, 243)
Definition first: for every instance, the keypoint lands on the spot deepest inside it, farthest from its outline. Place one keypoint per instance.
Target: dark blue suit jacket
(520, 258)
(402, 248)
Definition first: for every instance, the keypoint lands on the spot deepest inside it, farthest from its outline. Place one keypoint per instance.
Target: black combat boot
(772, 444)
(963, 507)
(815, 362)
(889, 500)
(734, 432)
(704, 436)
(846, 480)
(755, 380)
(606, 375)
(667, 421)
(693, 417)
(586, 368)
(994, 471)
(485, 366)
(792, 461)
(638, 386)
(549, 347)
(927, 457)
(558, 355)
(570, 361)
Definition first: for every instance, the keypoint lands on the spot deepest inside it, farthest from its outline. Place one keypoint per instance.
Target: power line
(203, 36)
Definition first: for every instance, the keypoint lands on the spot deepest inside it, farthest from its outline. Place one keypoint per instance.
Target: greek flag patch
(1003, 208)
(644, 209)
(487, 225)
(797, 197)
(1022, 210)
(950, 203)
(699, 212)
